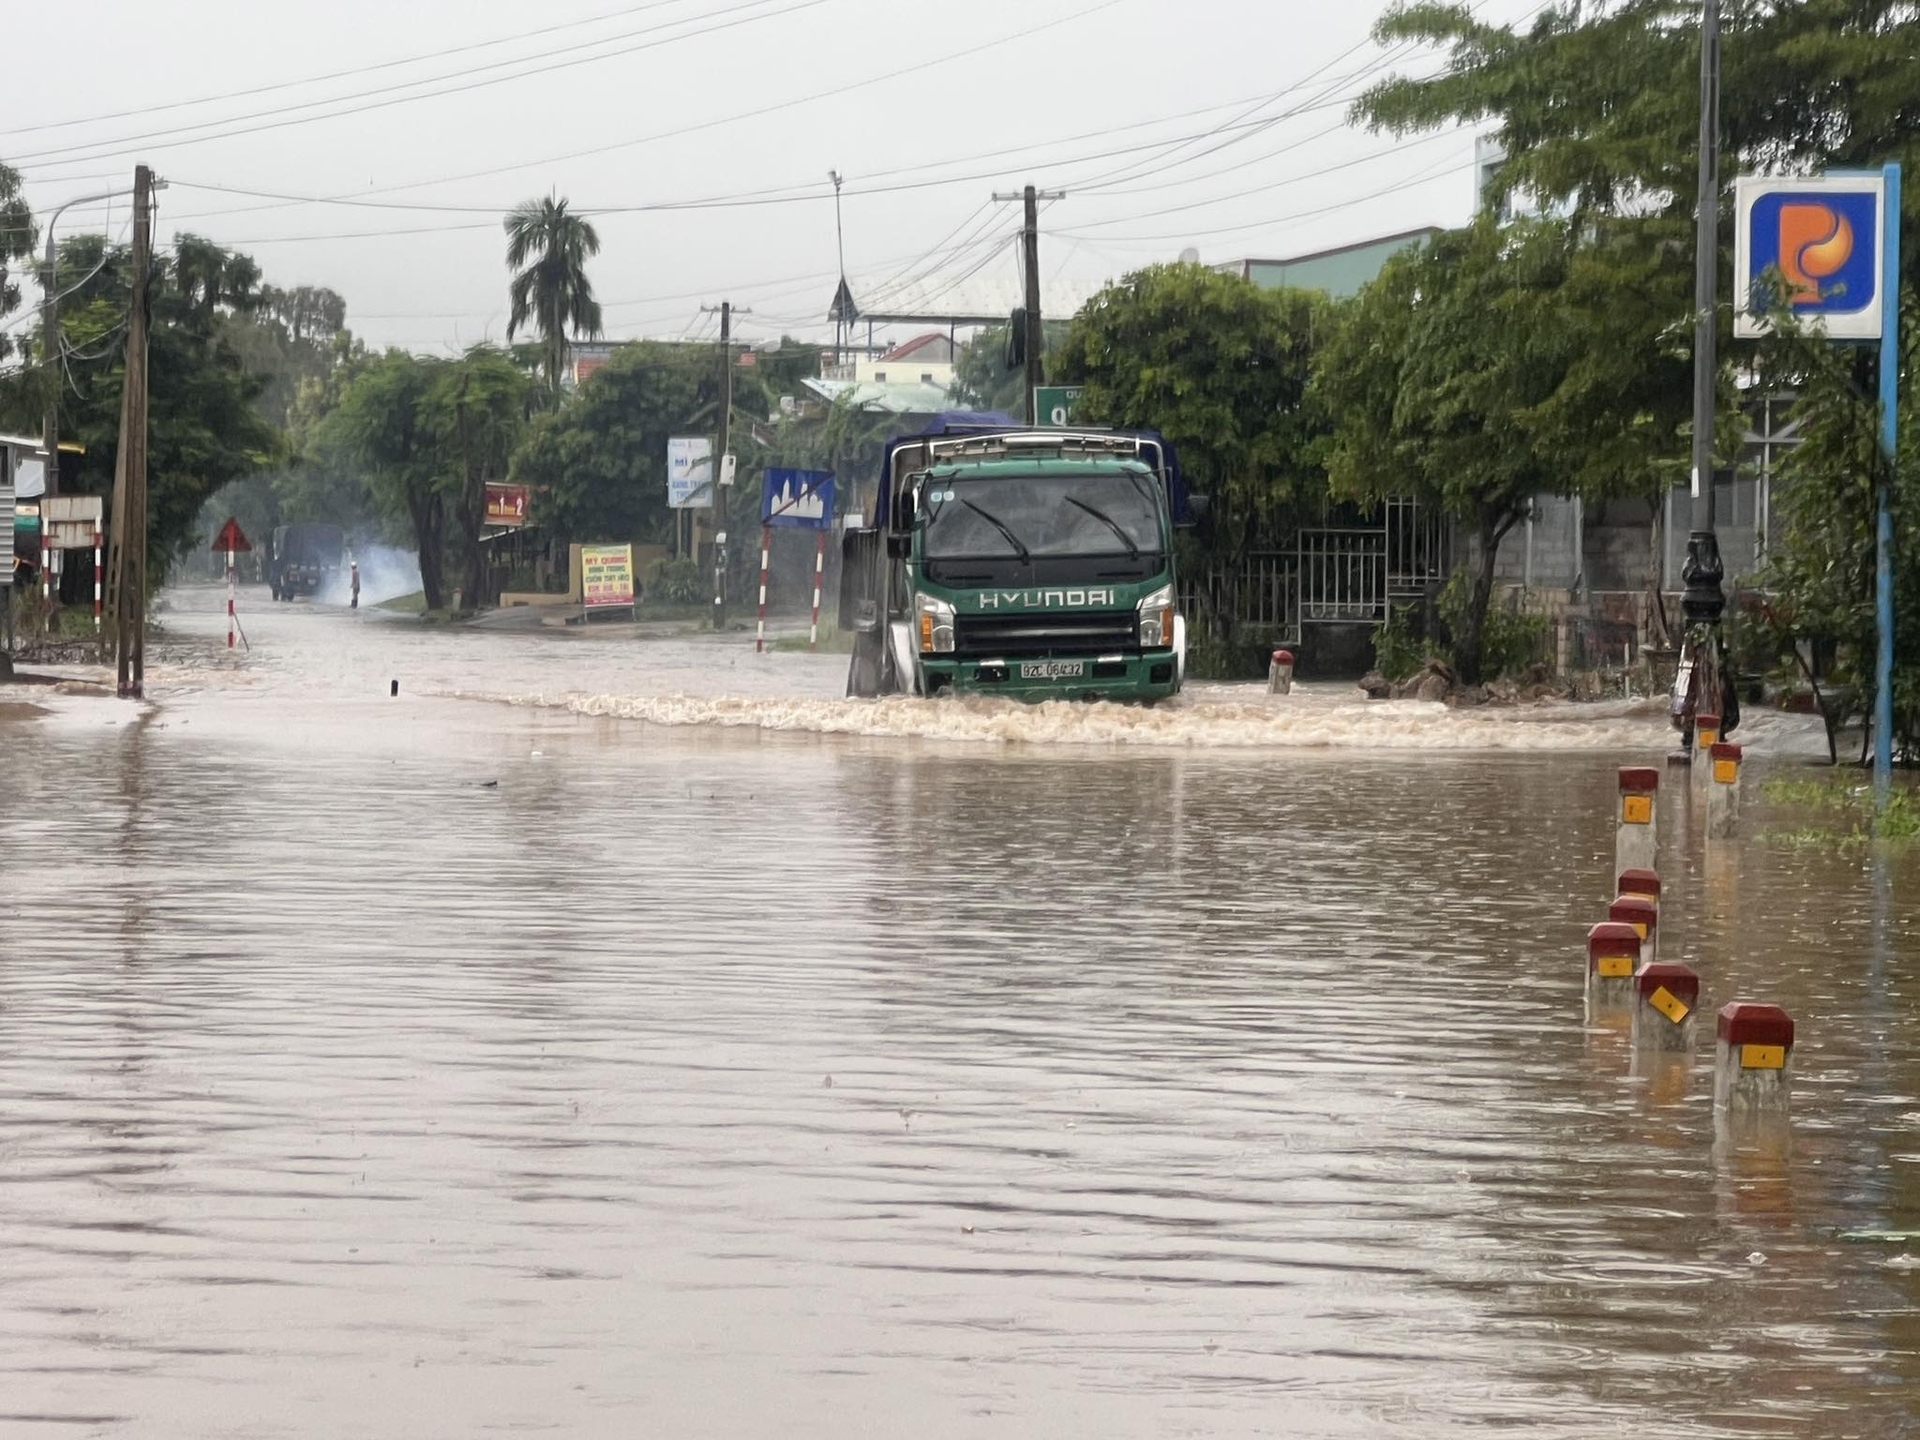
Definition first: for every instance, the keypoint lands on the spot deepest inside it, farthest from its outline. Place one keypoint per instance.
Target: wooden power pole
(719, 511)
(1033, 334)
(130, 471)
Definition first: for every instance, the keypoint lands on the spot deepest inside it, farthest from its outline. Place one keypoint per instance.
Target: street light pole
(1704, 600)
(50, 331)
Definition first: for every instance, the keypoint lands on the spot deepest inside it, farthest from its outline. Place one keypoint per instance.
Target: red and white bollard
(1723, 790)
(766, 555)
(1665, 997)
(1613, 955)
(1636, 840)
(819, 568)
(1754, 1056)
(99, 581)
(1705, 736)
(1280, 673)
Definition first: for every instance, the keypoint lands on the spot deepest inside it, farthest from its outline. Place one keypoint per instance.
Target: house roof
(1399, 237)
(912, 349)
(885, 397)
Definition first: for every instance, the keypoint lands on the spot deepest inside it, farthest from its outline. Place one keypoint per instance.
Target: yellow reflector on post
(1668, 1004)
(1763, 1057)
(1636, 809)
(1726, 772)
(1613, 967)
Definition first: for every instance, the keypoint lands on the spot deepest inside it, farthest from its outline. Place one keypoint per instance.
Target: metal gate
(1347, 574)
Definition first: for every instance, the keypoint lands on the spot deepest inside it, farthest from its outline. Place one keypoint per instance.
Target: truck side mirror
(899, 547)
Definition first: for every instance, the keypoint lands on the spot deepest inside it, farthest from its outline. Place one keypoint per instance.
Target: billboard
(689, 472)
(797, 499)
(1814, 243)
(507, 504)
(606, 577)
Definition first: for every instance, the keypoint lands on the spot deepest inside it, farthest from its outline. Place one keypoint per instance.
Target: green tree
(598, 466)
(1817, 609)
(476, 412)
(1444, 385)
(1221, 368)
(548, 249)
(204, 428)
(1598, 104)
(981, 377)
(17, 233)
(381, 433)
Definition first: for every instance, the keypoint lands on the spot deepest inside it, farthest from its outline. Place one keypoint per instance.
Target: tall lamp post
(50, 320)
(1704, 600)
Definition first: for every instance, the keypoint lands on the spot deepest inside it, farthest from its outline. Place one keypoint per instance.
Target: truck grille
(1069, 632)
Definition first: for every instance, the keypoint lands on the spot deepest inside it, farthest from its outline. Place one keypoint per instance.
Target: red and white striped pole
(819, 564)
(46, 561)
(99, 587)
(231, 573)
(766, 549)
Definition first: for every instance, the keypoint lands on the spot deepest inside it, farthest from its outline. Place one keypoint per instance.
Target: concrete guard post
(1754, 1058)
(1644, 916)
(1723, 791)
(1665, 996)
(1280, 673)
(1706, 734)
(1613, 955)
(1636, 838)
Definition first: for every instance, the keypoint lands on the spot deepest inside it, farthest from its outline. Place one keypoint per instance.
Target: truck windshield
(1026, 517)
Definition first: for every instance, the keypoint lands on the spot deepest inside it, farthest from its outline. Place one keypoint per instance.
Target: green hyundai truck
(1027, 562)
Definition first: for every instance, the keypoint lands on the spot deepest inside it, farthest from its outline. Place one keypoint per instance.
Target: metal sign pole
(1889, 437)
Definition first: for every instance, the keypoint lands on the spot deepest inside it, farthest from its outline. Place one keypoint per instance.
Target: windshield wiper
(1133, 547)
(1026, 556)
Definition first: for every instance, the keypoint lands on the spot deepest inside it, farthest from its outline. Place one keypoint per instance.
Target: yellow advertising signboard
(606, 577)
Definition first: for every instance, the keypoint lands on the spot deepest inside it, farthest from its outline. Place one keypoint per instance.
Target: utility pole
(1032, 333)
(130, 474)
(1704, 601)
(719, 510)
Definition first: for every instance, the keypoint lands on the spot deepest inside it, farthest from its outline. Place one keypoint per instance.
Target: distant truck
(302, 559)
(1011, 560)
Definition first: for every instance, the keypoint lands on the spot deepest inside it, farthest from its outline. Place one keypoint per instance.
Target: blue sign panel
(1814, 244)
(797, 499)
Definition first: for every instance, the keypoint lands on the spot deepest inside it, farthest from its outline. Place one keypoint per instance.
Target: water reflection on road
(430, 1067)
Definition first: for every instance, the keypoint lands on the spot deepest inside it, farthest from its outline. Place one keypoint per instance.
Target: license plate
(1052, 669)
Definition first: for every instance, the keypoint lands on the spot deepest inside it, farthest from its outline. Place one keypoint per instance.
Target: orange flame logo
(1815, 241)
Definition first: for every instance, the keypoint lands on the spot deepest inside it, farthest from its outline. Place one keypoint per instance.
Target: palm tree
(547, 250)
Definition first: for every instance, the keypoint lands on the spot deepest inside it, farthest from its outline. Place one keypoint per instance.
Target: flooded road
(616, 1037)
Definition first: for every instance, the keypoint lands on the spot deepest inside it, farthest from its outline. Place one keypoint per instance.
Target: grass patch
(1845, 811)
(414, 604)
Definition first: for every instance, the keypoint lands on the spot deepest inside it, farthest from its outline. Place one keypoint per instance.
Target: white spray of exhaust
(386, 572)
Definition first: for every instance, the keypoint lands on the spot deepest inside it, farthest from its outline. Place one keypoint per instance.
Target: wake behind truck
(1010, 560)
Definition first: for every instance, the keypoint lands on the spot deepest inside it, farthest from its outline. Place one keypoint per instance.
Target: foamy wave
(1187, 723)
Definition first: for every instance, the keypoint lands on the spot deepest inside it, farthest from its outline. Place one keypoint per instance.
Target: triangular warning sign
(230, 538)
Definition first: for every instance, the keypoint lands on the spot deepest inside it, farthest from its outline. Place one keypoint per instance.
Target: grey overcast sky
(1215, 124)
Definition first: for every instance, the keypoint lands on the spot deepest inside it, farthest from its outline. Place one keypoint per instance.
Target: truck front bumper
(1137, 675)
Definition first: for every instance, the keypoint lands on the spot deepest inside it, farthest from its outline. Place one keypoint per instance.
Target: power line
(775, 108)
(132, 144)
(356, 70)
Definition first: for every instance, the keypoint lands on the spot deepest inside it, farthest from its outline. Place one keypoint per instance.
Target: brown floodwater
(618, 1036)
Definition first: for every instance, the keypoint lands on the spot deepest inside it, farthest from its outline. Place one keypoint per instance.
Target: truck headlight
(1156, 620)
(935, 623)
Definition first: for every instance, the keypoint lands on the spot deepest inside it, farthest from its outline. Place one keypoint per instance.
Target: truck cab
(301, 559)
(1032, 563)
